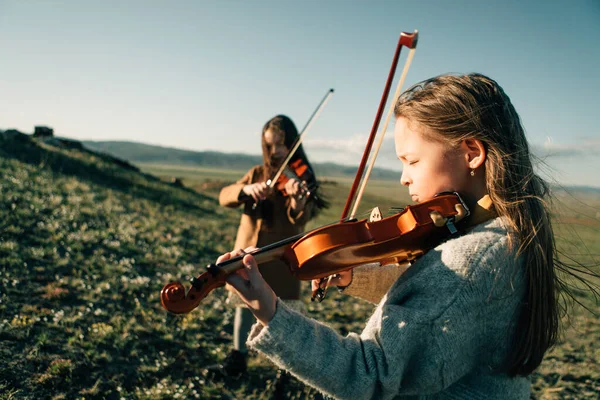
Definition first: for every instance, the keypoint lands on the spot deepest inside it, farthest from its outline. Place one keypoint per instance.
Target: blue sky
(206, 75)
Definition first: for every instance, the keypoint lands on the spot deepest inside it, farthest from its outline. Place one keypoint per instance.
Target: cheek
(452, 178)
(439, 177)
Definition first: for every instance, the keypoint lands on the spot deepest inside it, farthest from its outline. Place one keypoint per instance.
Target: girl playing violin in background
(471, 318)
(270, 216)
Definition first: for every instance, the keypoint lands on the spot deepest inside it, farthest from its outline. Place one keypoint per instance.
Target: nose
(278, 151)
(404, 178)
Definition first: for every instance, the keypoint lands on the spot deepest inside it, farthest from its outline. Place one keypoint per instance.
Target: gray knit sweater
(439, 332)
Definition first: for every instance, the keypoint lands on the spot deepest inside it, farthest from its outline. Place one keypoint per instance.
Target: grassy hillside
(86, 244)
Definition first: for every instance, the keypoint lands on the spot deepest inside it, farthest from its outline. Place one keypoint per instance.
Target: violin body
(401, 237)
(300, 171)
(338, 247)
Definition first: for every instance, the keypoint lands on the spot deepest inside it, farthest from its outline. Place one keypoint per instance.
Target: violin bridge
(375, 215)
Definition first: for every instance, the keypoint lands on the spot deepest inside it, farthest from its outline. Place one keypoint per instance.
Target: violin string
(389, 211)
(395, 210)
(365, 214)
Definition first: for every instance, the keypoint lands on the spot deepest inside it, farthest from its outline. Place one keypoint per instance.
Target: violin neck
(267, 253)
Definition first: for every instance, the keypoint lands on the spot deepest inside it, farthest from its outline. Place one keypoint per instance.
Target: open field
(86, 246)
(383, 194)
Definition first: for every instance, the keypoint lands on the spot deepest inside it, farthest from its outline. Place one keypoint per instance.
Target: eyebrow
(403, 155)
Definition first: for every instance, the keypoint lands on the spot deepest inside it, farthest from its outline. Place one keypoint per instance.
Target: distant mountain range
(125, 153)
(135, 152)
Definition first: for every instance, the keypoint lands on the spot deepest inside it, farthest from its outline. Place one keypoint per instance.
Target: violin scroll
(174, 298)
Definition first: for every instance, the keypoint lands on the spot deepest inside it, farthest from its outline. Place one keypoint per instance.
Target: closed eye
(412, 162)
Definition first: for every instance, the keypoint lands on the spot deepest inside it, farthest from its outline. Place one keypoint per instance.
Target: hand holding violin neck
(174, 298)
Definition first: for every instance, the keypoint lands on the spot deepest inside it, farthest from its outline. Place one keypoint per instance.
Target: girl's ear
(475, 153)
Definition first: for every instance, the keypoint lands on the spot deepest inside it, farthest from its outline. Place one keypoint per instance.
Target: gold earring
(472, 172)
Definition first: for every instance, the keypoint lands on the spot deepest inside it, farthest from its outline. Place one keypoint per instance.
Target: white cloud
(583, 146)
(349, 150)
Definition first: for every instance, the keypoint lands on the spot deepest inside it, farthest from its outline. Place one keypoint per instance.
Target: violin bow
(410, 41)
(272, 182)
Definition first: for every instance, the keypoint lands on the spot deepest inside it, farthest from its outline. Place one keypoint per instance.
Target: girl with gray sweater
(470, 319)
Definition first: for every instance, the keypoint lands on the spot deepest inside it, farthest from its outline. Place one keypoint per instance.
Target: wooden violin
(338, 247)
(300, 171)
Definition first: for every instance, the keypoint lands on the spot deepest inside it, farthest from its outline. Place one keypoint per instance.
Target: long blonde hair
(459, 107)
